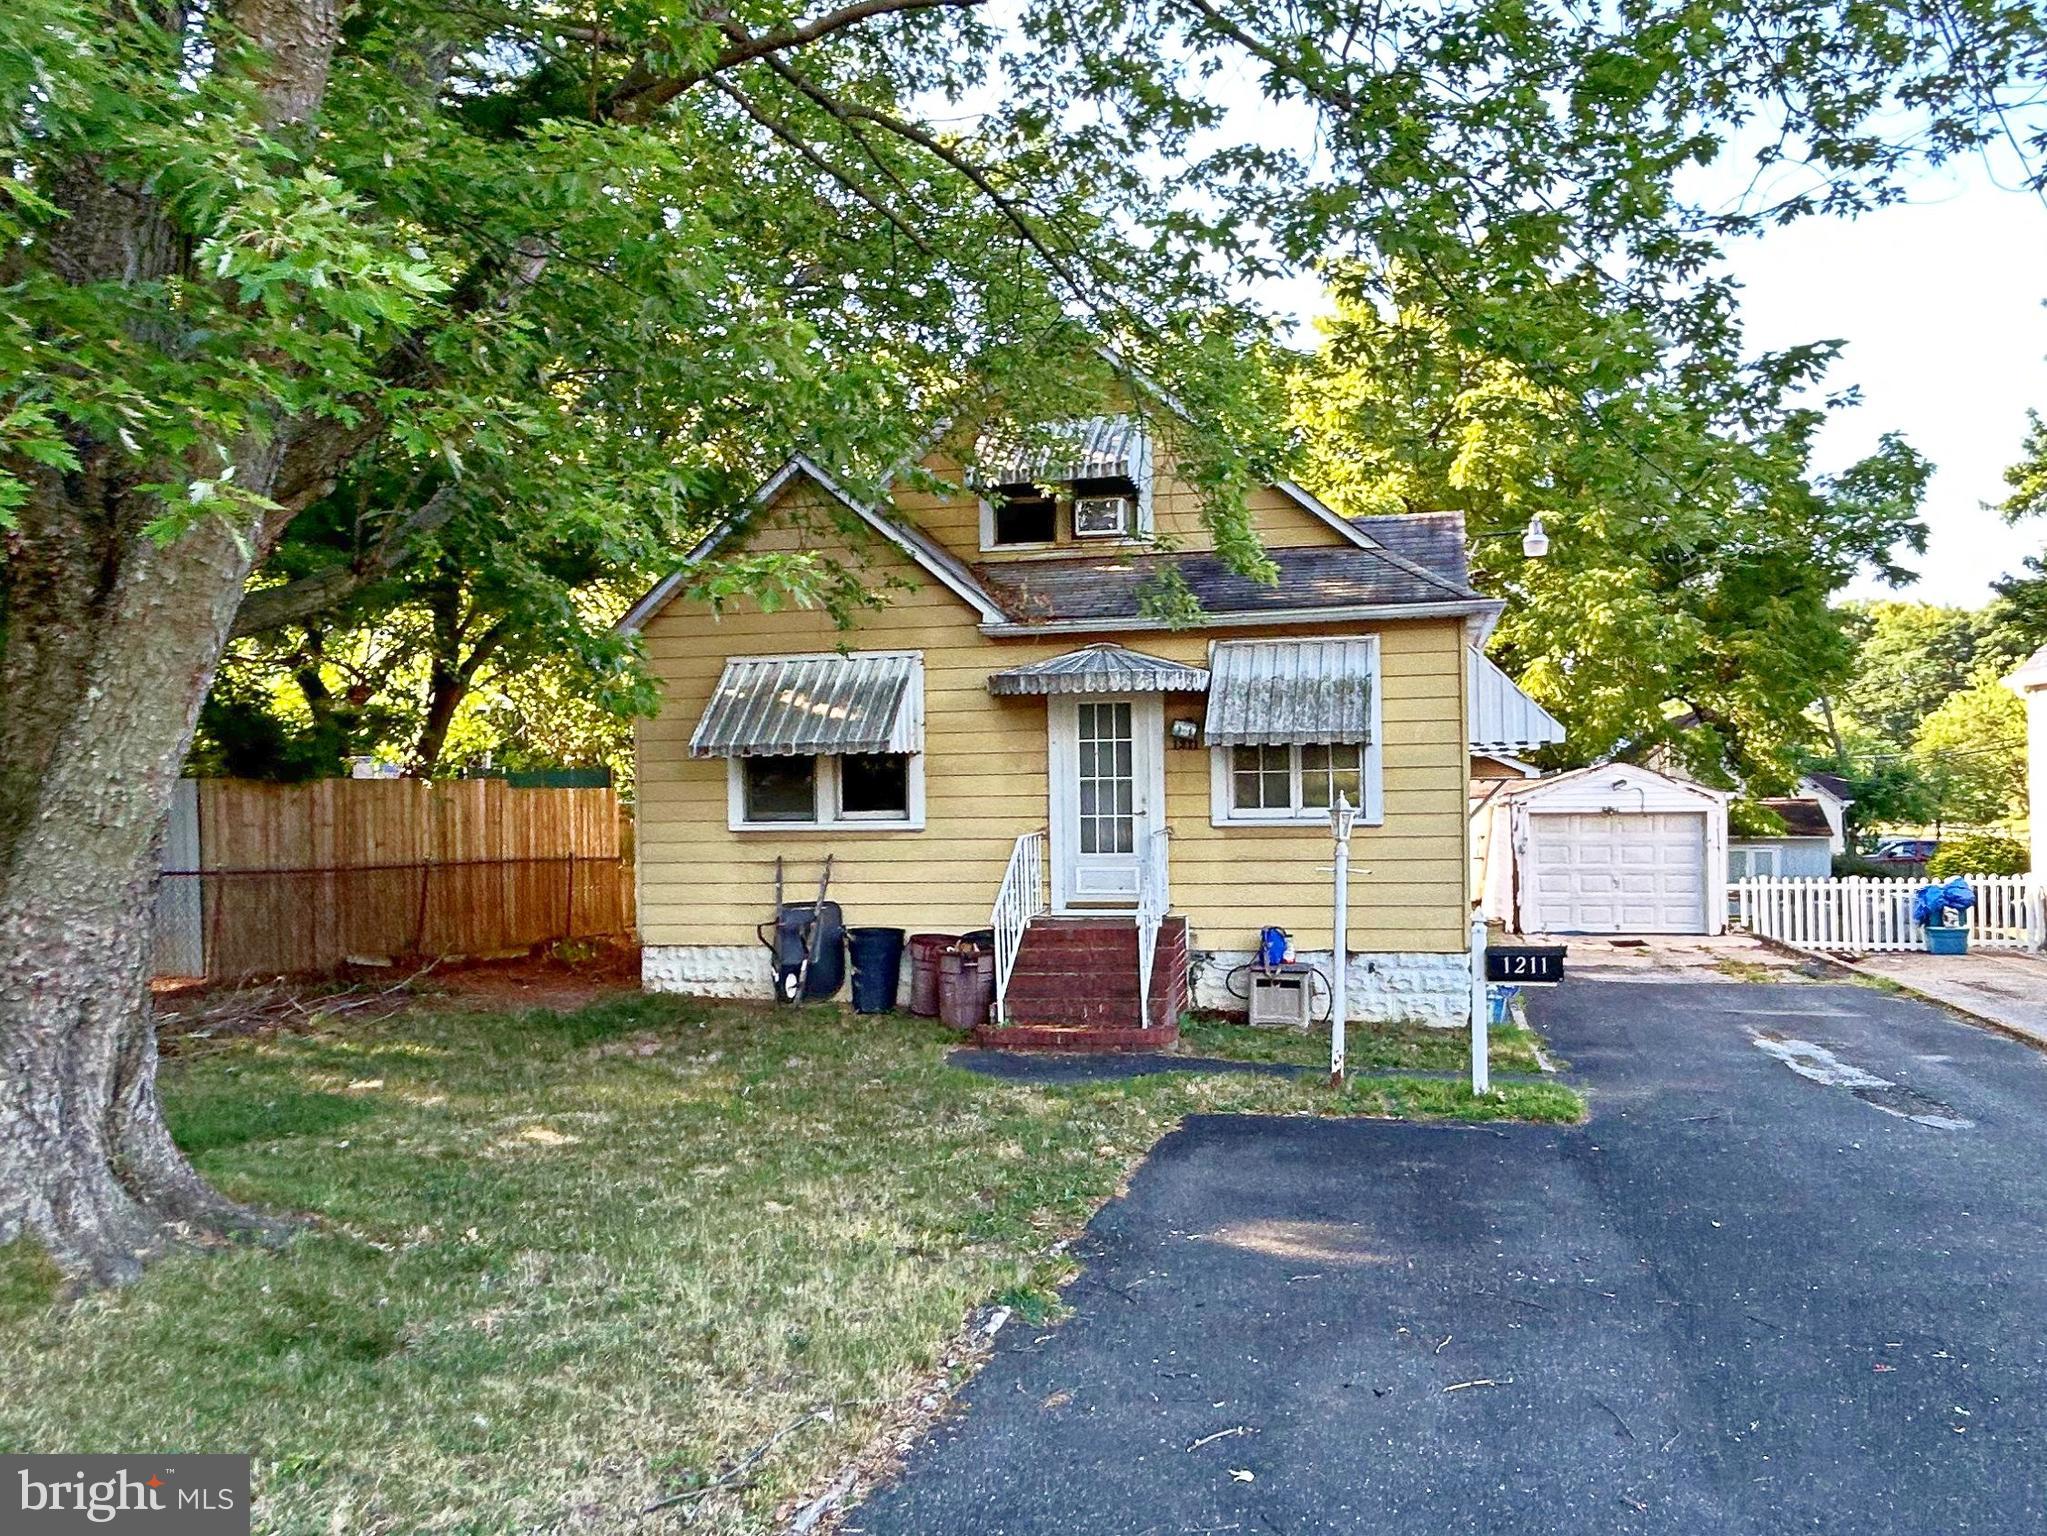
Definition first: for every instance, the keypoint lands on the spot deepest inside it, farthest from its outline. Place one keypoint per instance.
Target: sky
(1939, 302)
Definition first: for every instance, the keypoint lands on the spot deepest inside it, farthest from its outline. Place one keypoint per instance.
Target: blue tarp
(1931, 906)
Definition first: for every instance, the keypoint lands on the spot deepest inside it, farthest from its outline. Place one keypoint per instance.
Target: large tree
(261, 253)
(1684, 604)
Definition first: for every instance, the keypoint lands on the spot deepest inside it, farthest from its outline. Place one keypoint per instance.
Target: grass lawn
(564, 1265)
(1366, 1047)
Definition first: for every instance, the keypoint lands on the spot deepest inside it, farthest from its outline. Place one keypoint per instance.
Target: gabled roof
(1801, 817)
(1616, 772)
(1433, 540)
(2031, 676)
(932, 556)
(1832, 785)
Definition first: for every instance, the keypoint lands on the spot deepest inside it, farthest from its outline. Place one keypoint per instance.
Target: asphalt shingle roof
(1111, 586)
(1432, 540)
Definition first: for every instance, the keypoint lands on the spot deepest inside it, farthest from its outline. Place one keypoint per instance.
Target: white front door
(1621, 873)
(1108, 790)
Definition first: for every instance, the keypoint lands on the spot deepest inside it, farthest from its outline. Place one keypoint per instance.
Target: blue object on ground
(1947, 941)
(1931, 906)
(1499, 1000)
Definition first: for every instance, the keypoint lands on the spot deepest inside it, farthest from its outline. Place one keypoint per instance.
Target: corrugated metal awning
(1504, 720)
(1095, 448)
(1270, 693)
(808, 706)
(1100, 669)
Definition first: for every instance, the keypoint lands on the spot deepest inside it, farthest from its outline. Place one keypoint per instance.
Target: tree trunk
(111, 643)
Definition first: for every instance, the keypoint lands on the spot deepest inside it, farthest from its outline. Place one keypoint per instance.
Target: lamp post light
(1535, 538)
(1342, 817)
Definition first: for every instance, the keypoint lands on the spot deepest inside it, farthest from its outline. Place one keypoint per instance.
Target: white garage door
(1625, 873)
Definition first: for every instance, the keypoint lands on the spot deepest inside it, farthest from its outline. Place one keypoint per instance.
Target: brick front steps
(1074, 987)
(1076, 1037)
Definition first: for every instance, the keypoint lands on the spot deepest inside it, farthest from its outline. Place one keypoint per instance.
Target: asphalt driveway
(1791, 1277)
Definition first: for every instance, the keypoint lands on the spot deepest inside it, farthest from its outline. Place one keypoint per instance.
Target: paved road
(1801, 1288)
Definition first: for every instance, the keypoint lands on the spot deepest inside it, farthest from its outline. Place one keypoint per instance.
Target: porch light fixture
(1535, 539)
(1184, 733)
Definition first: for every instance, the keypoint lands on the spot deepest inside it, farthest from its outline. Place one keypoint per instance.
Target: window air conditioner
(1097, 516)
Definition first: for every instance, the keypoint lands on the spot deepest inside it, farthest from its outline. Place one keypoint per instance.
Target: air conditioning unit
(1097, 517)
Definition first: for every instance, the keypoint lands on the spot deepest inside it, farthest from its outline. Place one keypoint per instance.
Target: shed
(1613, 848)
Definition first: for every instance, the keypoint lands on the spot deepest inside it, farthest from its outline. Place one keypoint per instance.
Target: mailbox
(1527, 965)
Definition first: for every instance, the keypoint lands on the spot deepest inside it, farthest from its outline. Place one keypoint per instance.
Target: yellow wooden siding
(985, 784)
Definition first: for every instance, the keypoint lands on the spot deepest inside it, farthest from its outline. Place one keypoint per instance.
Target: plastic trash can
(966, 987)
(1947, 941)
(925, 949)
(877, 968)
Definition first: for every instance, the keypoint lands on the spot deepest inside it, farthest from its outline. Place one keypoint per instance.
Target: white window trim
(827, 816)
(988, 544)
(1371, 814)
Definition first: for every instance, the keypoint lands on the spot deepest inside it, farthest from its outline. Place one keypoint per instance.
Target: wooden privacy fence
(276, 879)
(1865, 916)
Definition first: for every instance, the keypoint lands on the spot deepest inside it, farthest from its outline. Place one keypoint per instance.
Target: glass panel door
(1107, 779)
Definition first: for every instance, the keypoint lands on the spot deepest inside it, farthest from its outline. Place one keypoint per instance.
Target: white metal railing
(1864, 916)
(1154, 899)
(1019, 898)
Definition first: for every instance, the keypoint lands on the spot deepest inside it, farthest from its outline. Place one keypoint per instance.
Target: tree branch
(787, 135)
(270, 608)
(641, 93)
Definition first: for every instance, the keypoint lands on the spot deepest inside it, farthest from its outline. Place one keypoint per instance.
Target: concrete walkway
(2008, 990)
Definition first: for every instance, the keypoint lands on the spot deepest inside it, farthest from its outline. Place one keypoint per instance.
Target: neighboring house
(1815, 829)
(2030, 684)
(1613, 848)
(1010, 687)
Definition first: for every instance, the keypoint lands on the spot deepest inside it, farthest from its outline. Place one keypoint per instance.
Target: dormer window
(1023, 515)
(1071, 482)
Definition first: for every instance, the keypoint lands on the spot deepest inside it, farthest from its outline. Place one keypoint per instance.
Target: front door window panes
(1107, 779)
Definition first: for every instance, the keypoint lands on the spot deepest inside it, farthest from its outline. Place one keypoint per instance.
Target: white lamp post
(1342, 817)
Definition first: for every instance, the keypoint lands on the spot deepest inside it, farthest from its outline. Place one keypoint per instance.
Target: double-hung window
(885, 788)
(1292, 727)
(834, 740)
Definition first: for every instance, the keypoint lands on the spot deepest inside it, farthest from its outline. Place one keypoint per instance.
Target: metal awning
(1094, 448)
(1505, 722)
(805, 706)
(1269, 693)
(1100, 669)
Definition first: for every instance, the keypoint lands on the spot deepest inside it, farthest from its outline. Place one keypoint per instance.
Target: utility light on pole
(1342, 817)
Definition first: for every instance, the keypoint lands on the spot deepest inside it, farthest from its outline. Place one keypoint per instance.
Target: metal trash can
(925, 949)
(966, 987)
(877, 968)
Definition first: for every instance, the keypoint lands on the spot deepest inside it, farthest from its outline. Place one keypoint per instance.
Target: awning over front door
(1100, 669)
(1272, 693)
(810, 706)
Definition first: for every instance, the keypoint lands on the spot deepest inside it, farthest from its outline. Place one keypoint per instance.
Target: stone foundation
(738, 971)
(1382, 988)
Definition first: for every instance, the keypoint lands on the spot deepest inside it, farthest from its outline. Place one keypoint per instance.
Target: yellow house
(1009, 741)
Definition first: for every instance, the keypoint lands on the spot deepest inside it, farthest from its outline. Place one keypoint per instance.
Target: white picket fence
(1861, 916)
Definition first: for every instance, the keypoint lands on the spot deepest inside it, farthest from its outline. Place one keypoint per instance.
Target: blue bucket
(1947, 941)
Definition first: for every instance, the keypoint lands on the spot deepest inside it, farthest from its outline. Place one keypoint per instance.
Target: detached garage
(1609, 849)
